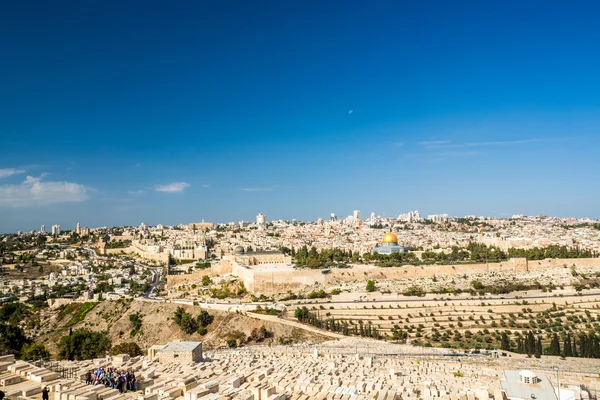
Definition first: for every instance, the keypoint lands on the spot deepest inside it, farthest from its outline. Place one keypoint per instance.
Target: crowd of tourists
(113, 378)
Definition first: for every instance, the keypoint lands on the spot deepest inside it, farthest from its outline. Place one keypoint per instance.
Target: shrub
(136, 323)
(130, 348)
(34, 352)
(80, 315)
(370, 286)
(415, 290)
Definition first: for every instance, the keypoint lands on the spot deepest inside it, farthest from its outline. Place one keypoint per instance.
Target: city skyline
(112, 114)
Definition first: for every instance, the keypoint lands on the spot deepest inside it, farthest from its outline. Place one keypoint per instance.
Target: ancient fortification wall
(272, 282)
(512, 265)
(159, 257)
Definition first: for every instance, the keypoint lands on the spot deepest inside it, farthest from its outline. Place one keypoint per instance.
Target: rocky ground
(158, 326)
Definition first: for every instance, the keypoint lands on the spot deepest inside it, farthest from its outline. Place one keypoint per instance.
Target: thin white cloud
(483, 144)
(398, 144)
(6, 172)
(460, 153)
(350, 112)
(174, 187)
(136, 192)
(256, 189)
(206, 186)
(33, 192)
(434, 142)
(118, 199)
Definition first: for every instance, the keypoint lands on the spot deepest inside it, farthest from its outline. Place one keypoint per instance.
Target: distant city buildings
(43, 229)
(438, 217)
(78, 229)
(411, 216)
(55, 230)
(261, 220)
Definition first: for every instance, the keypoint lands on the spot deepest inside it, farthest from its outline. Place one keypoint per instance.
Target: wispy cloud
(434, 142)
(206, 186)
(117, 199)
(256, 189)
(6, 172)
(33, 192)
(449, 145)
(398, 144)
(136, 192)
(459, 153)
(174, 187)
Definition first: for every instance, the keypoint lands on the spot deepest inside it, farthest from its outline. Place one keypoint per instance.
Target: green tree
(538, 347)
(554, 346)
(370, 286)
(205, 319)
(206, 281)
(83, 344)
(12, 339)
(504, 342)
(34, 352)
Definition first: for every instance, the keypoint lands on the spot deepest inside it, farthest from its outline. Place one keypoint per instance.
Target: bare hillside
(157, 325)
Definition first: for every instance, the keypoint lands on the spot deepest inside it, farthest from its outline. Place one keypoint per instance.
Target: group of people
(113, 378)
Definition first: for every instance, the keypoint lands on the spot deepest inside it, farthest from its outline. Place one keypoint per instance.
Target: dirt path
(294, 324)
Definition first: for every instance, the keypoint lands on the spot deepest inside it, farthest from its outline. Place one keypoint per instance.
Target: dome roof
(390, 238)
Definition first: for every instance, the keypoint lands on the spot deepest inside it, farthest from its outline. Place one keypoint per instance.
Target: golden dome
(390, 238)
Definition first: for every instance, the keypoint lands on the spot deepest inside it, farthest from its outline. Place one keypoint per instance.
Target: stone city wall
(160, 257)
(185, 279)
(272, 282)
(56, 303)
(427, 271)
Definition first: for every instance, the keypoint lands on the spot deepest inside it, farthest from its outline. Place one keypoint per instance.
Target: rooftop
(517, 390)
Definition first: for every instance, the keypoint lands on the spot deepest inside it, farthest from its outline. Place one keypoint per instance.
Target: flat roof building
(181, 352)
(527, 385)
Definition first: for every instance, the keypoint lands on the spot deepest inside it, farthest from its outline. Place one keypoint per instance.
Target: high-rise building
(333, 218)
(43, 229)
(55, 230)
(356, 214)
(438, 218)
(78, 229)
(410, 216)
(261, 219)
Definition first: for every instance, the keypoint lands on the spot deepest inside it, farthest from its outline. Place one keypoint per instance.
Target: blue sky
(118, 112)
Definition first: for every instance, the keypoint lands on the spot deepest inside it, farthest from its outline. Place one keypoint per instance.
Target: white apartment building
(55, 230)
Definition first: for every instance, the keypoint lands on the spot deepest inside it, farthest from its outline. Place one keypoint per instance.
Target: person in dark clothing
(1, 395)
(45, 393)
